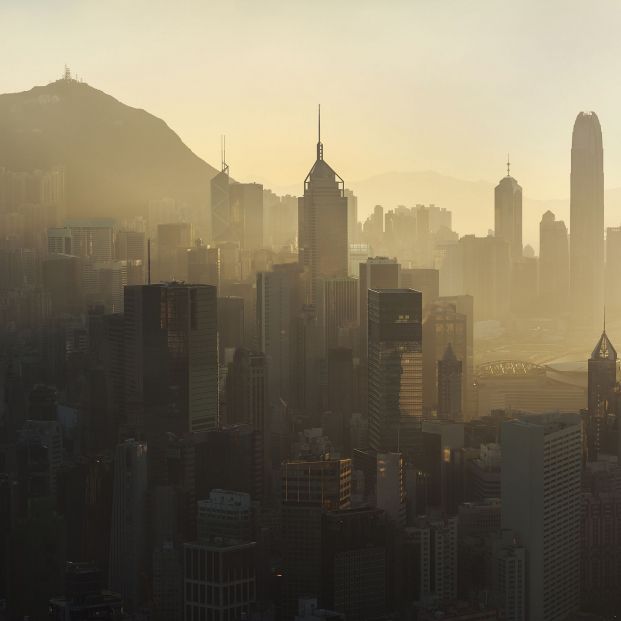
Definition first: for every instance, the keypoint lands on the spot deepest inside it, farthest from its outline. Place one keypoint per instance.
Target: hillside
(117, 157)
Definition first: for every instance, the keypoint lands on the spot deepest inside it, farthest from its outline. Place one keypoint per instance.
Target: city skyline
(465, 141)
(229, 399)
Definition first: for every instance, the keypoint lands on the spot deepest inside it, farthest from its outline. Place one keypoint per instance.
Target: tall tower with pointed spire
(602, 373)
(322, 224)
(602, 379)
(586, 242)
(508, 212)
(220, 203)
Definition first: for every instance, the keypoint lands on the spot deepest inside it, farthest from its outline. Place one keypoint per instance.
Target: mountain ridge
(117, 157)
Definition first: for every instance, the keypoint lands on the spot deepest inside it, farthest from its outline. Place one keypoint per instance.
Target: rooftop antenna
(223, 153)
(604, 319)
(319, 143)
(508, 166)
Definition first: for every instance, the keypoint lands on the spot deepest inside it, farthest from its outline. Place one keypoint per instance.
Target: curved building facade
(587, 218)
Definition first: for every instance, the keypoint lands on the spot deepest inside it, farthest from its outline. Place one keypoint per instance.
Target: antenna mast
(319, 143)
(224, 165)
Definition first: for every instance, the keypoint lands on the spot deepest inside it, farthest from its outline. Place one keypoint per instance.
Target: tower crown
(604, 350)
(449, 354)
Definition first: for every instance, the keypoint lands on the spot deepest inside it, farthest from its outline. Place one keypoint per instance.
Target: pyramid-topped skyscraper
(322, 224)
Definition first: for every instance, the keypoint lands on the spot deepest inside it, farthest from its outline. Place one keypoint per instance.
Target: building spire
(604, 319)
(319, 143)
(508, 166)
(225, 166)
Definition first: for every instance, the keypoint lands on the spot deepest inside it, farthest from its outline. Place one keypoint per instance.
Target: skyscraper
(246, 397)
(602, 379)
(173, 241)
(436, 536)
(602, 373)
(486, 269)
(374, 273)
(553, 264)
(508, 213)
(278, 303)
(309, 488)
(613, 260)
(395, 365)
(587, 218)
(449, 386)
(354, 560)
(220, 579)
(171, 354)
(442, 326)
(220, 210)
(128, 538)
(203, 264)
(246, 209)
(425, 280)
(541, 468)
(322, 224)
(338, 309)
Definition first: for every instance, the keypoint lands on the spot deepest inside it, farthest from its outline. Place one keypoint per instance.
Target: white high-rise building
(541, 468)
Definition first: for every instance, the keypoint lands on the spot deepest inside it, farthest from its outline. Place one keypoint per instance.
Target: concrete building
(92, 238)
(541, 469)
(436, 539)
(226, 514)
(219, 579)
(425, 280)
(395, 382)
(509, 576)
(279, 299)
(375, 273)
(338, 310)
(553, 265)
(308, 489)
(173, 241)
(354, 562)
(246, 215)
(450, 379)
(483, 473)
(129, 509)
(389, 487)
(613, 260)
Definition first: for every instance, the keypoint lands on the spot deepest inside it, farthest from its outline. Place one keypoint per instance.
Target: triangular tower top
(604, 350)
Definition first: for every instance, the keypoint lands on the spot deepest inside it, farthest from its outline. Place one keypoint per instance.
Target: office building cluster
(279, 413)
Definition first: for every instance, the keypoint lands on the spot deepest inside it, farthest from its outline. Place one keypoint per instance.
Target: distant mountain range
(472, 202)
(117, 157)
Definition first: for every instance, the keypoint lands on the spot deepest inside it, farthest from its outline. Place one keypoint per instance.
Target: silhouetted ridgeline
(117, 157)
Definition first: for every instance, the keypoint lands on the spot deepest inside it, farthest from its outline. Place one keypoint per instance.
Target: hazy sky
(446, 85)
